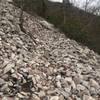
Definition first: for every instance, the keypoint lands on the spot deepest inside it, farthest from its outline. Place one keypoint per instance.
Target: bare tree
(92, 6)
(44, 8)
(87, 5)
(22, 5)
(65, 5)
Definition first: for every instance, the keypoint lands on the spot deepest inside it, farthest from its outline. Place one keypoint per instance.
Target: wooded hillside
(79, 25)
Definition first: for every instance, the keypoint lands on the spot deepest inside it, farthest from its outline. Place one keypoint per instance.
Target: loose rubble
(50, 67)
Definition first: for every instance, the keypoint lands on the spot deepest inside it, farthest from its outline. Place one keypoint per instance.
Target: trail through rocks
(43, 64)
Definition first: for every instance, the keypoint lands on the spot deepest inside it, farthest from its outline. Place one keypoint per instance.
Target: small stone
(64, 93)
(85, 83)
(20, 95)
(67, 89)
(47, 64)
(12, 70)
(80, 87)
(58, 84)
(86, 97)
(10, 17)
(9, 67)
(70, 81)
(77, 79)
(10, 83)
(33, 89)
(4, 87)
(61, 97)
(23, 93)
(93, 83)
(2, 81)
(50, 92)
(69, 98)
(35, 97)
(1, 94)
(41, 94)
(93, 91)
(58, 77)
(4, 98)
(16, 98)
(5, 76)
(2, 33)
(54, 98)
(10, 1)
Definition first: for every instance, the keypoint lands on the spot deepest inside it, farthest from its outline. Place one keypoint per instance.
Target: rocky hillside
(40, 63)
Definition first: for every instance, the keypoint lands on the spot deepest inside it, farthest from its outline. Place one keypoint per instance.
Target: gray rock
(80, 87)
(54, 98)
(93, 83)
(42, 94)
(86, 97)
(20, 96)
(35, 97)
(2, 33)
(4, 98)
(2, 81)
(47, 66)
(58, 84)
(9, 67)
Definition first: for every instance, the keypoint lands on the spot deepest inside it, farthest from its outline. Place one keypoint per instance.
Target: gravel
(42, 63)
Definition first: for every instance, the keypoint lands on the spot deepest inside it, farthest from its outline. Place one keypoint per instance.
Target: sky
(79, 3)
(56, 0)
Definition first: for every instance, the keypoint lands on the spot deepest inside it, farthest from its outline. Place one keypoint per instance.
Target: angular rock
(9, 67)
(2, 81)
(54, 98)
(85, 97)
(93, 83)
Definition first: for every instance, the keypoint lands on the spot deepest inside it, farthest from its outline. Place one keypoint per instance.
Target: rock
(10, 84)
(93, 83)
(9, 67)
(80, 87)
(67, 89)
(47, 64)
(70, 81)
(2, 81)
(20, 96)
(41, 62)
(85, 83)
(35, 97)
(54, 98)
(64, 93)
(51, 92)
(10, 1)
(10, 17)
(14, 76)
(93, 91)
(4, 98)
(58, 77)
(4, 87)
(58, 84)
(41, 94)
(77, 79)
(46, 24)
(16, 98)
(61, 97)
(85, 97)
(24, 93)
(2, 33)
